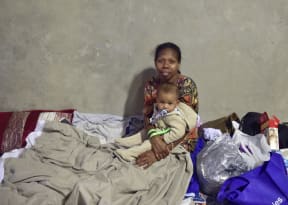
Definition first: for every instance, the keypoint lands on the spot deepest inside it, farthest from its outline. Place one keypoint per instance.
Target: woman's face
(167, 64)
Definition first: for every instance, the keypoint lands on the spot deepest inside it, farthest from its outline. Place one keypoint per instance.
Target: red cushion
(15, 126)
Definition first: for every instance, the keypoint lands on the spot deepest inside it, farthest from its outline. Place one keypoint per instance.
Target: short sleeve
(189, 93)
(150, 92)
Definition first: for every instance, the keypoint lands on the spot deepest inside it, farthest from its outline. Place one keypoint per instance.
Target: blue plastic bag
(266, 184)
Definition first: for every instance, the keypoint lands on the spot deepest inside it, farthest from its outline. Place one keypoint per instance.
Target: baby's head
(167, 97)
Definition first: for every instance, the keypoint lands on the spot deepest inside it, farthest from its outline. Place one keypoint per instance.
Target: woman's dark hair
(166, 45)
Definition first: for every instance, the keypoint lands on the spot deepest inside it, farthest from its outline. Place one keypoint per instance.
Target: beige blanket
(69, 167)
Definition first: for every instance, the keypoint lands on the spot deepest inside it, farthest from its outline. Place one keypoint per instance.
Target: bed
(67, 157)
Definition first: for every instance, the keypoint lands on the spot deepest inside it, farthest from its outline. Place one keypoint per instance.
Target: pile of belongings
(230, 155)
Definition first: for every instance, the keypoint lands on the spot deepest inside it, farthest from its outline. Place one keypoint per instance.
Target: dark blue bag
(266, 184)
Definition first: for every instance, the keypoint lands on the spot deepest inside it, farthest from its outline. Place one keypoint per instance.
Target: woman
(167, 61)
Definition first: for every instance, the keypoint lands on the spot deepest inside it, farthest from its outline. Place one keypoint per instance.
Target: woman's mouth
(164, 74)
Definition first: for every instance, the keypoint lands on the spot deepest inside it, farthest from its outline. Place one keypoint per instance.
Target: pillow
(15, 126)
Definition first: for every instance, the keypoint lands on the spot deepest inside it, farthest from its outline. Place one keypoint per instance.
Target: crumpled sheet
(107, 127)
(67, 166)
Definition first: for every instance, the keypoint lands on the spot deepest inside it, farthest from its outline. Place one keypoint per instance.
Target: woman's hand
(146, 159)
(159, 147)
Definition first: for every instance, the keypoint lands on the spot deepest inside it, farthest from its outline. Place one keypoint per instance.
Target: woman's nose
(165, 64)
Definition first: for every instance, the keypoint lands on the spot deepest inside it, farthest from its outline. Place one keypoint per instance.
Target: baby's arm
(177, 127)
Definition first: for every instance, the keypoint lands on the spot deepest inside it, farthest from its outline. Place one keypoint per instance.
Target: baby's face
(167, 101)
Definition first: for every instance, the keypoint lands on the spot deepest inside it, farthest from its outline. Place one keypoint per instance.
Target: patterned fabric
(55, 116)
(12, 136)
(188, 95)
(190, 140)
(15, 126)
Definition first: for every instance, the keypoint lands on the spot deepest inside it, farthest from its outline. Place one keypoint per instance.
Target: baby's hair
(168, 88)
(166, 45)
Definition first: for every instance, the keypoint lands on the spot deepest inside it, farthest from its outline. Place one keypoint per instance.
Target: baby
(171, 119)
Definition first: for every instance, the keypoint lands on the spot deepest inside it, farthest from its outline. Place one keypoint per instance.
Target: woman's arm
(159, 147)
(189, 93)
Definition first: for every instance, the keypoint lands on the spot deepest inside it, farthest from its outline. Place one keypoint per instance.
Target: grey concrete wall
(94, 55)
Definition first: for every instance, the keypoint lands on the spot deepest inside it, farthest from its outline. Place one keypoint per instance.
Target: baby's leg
(132, 153)
(132, 140)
